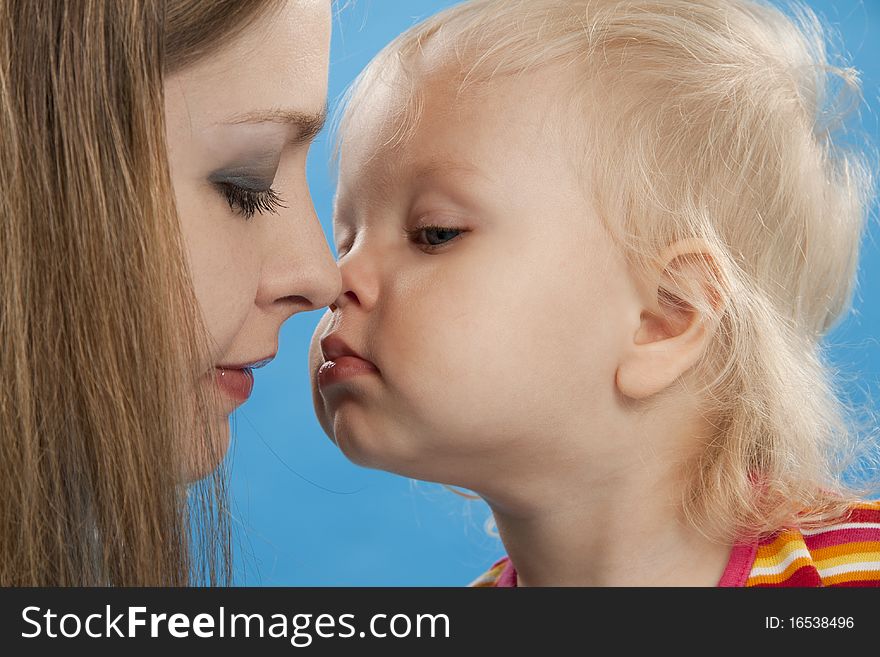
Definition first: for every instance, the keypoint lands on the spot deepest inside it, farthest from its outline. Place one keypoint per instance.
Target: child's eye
(248, 202)
(342, 248)
(434, 236)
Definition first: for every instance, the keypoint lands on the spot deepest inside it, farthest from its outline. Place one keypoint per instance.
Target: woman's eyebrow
(307, 125)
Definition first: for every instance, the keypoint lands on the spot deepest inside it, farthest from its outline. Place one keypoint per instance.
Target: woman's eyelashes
(249, 202)
(247, 194)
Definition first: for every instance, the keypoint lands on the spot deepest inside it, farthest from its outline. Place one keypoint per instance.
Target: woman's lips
(342, 369)
(236, 383)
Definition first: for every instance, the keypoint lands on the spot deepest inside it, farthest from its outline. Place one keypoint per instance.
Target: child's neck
(619, 527)
(624, 545)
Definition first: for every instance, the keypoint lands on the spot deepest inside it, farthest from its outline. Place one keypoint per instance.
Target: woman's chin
(204, 459)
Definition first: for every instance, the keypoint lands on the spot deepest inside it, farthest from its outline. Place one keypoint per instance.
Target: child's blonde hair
(719, 120)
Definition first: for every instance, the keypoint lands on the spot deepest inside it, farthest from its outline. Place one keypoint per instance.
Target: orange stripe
(855, 576)
(781, 540)
(489, 578)
(842, 549)
(870, 506)
(769, 555)
(849, 560)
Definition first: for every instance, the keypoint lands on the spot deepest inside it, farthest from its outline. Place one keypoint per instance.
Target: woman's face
(239, 126)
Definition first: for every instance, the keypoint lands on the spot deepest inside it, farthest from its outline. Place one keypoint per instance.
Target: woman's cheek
(222, 257)
(226, 295)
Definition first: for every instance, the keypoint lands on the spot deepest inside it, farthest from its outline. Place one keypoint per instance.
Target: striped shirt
(846, 553)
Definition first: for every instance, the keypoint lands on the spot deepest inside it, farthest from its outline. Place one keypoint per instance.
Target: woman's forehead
(279, 64)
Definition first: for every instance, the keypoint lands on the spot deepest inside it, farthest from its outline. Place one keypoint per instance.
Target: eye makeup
(247, 180)
(247, 187)
(254, 173)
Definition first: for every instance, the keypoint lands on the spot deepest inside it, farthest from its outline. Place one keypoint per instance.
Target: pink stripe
(507, 578)
(856, 582)
(841, 536)
(742, 556)
(863, 515)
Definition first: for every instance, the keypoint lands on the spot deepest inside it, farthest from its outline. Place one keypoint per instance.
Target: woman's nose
(298, 271)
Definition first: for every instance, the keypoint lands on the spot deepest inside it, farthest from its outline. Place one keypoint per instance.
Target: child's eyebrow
(436, 167)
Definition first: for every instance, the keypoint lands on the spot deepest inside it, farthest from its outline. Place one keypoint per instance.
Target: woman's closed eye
(248, 202)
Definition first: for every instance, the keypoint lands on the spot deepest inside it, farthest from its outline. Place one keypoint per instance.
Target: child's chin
(378, 454)
(367, 452)
(355, 451)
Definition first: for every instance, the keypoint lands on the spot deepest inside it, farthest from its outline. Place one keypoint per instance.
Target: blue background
(304, 516)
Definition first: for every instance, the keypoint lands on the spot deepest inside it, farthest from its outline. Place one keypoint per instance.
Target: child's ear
(682, 306)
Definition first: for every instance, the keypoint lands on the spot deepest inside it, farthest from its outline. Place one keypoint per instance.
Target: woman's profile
(155, 231)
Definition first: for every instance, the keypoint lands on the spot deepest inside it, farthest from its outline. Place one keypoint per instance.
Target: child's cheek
(461, 343)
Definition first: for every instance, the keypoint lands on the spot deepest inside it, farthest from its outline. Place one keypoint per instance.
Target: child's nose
(360, 281)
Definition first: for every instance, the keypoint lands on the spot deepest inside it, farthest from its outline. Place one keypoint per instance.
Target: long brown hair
(101, 338)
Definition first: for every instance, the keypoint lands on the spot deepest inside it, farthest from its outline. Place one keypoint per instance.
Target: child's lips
(343, 369)
(341, 362)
